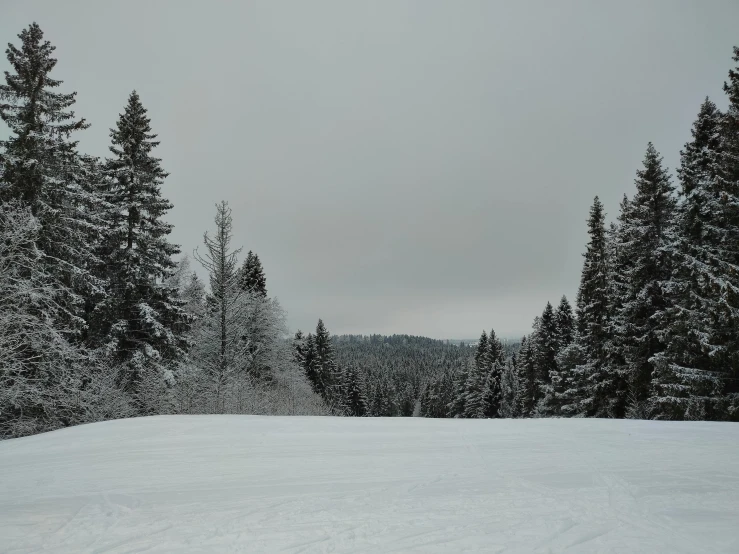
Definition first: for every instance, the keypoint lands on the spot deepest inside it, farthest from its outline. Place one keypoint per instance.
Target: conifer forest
(103, 317)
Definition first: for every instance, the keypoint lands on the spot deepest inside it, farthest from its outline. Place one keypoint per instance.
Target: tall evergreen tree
(482, 352)
(565, 323)
(309, 362)
(683, 371)
(457, 406)
(327, 374)
(558, 390)
(649, 235)
(355, 399)
(728, 352)
(584, 360)
(592, 295)
(252, 275)
(509, 389)
(527, 392)
(299, 348)
(496, 365)
(607, 390)
(475, 387)
(546, 352)
(42, 168)
(138, 321)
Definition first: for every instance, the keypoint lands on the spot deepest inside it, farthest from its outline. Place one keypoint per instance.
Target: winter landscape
(402, 176)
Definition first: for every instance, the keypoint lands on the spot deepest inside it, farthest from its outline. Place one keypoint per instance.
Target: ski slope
(299, 484)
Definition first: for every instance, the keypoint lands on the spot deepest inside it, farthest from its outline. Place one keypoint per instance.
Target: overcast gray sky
(420, 167)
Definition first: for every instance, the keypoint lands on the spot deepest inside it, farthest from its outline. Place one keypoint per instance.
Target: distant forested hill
(396, 369)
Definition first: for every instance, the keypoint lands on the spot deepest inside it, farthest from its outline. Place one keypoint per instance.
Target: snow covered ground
(279, 484)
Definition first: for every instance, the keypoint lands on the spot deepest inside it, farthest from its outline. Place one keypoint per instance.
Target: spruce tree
(607, 382)
(41, 373)
(384, 399)
(482, 352)
(42, 168)
(327, 374)
(522, 358)
(565, 323)
(683, 372)
(546, 354)
(475, 387)
(299, 348)
(728, 338)
(309, 363)
(509, 390)
(138, 321)
(592, 294)
(493, 397)
(355, 399)
(252, 275)
(474, 391)
(587, 359)
(556, 334)
(457, 406)
(575, 371)
(496, 352)
(527, 391)
(649, 239)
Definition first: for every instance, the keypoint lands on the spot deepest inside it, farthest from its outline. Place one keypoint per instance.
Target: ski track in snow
(362, 485)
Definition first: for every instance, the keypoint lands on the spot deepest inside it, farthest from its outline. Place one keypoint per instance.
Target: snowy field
(279, 484)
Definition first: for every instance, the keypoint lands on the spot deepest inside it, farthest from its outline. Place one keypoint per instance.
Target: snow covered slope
(279, 484)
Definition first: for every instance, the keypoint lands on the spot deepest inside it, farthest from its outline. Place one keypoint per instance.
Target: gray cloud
(422, 167)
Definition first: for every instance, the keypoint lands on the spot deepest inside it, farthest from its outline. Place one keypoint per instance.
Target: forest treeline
(655, 328)
(98, 319)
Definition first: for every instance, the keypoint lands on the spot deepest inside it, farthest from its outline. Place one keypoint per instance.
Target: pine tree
(457, 406)
(355, 399)
(565, 324)
(384, 399)
(482, 353)
(299, 348)
(437, 396)
(728, 339)
(496, 352)
(527, 391)
(509, 389)
(585, 360)
(592, 295)
(474, 392)
(701, 272)
(327, 374)
(607, 389)
(475, 386)
(138, 321)
(546, 356)
(42, 168)
(309, 362)
(37, 359)
(252, 275)
(647, 242)
(575, 372)
(495, 361)
(558, 389)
